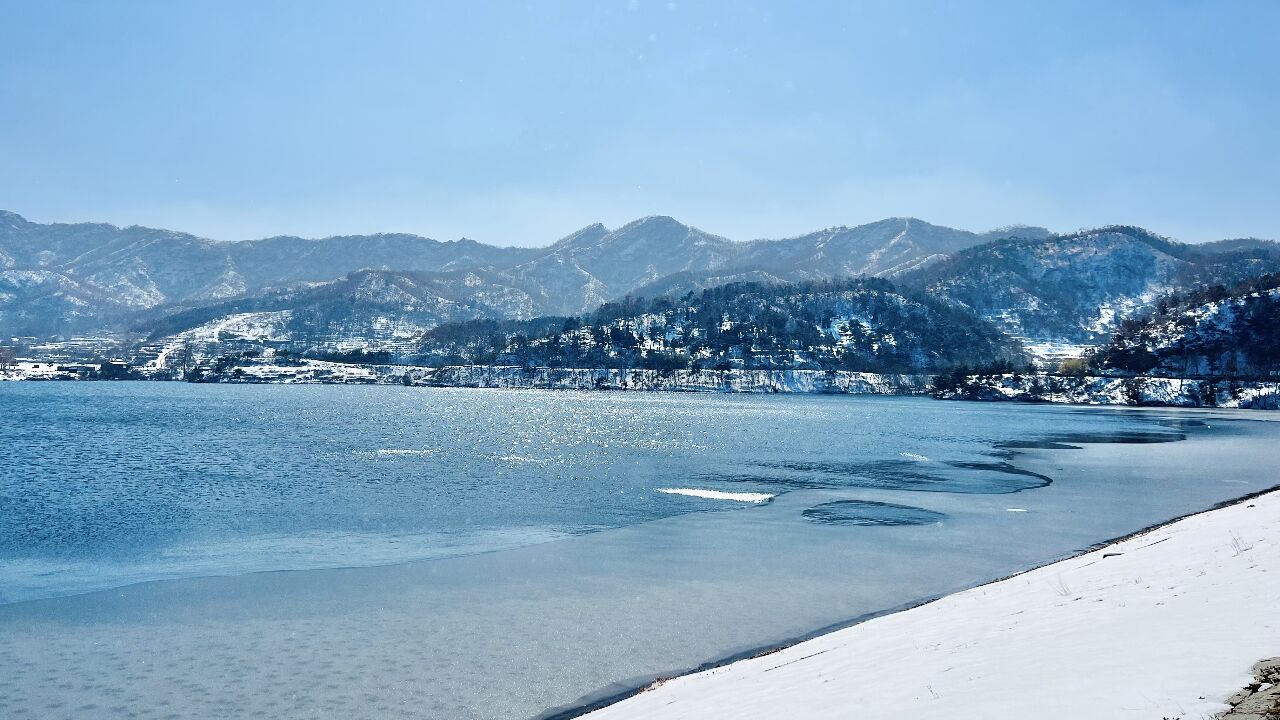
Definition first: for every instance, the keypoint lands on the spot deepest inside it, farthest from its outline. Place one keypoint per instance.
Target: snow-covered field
(1165, 624)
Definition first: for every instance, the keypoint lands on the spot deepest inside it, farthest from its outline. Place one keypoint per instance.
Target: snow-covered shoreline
(542, 378)
(751, 381)
(1114, 391)
(1165, 623)
(1099, 390)
(309, 371)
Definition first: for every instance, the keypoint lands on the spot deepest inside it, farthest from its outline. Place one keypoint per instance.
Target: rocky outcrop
(1260, 699)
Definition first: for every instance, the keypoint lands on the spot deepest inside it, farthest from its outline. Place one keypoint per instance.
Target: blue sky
(516, 123)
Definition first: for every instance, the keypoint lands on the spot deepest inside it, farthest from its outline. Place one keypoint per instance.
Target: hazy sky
(516, 123)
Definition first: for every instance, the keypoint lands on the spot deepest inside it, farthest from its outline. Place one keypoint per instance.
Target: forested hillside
(1076, 288)
(860, 324)
(1211, 332)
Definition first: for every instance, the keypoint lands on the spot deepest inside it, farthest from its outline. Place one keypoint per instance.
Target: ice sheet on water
(867, 513)
(1072, 441)
(952, 476)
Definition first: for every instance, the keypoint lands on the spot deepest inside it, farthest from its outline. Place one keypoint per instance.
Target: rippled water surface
(681, 528)
(106, 484)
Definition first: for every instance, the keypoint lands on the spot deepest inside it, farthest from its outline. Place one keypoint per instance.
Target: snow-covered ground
(35, 370)
(306, 371)
(253, 326)
(1162, 625)
(1049, 354)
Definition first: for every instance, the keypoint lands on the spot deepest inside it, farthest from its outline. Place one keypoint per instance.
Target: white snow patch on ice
(748, 497)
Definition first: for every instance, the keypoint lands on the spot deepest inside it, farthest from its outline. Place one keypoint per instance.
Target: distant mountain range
(385, 292)
(70, 278)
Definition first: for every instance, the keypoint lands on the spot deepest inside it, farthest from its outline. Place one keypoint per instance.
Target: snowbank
(1165, 624)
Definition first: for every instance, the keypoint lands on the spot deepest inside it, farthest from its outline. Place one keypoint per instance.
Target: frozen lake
(499, 554)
